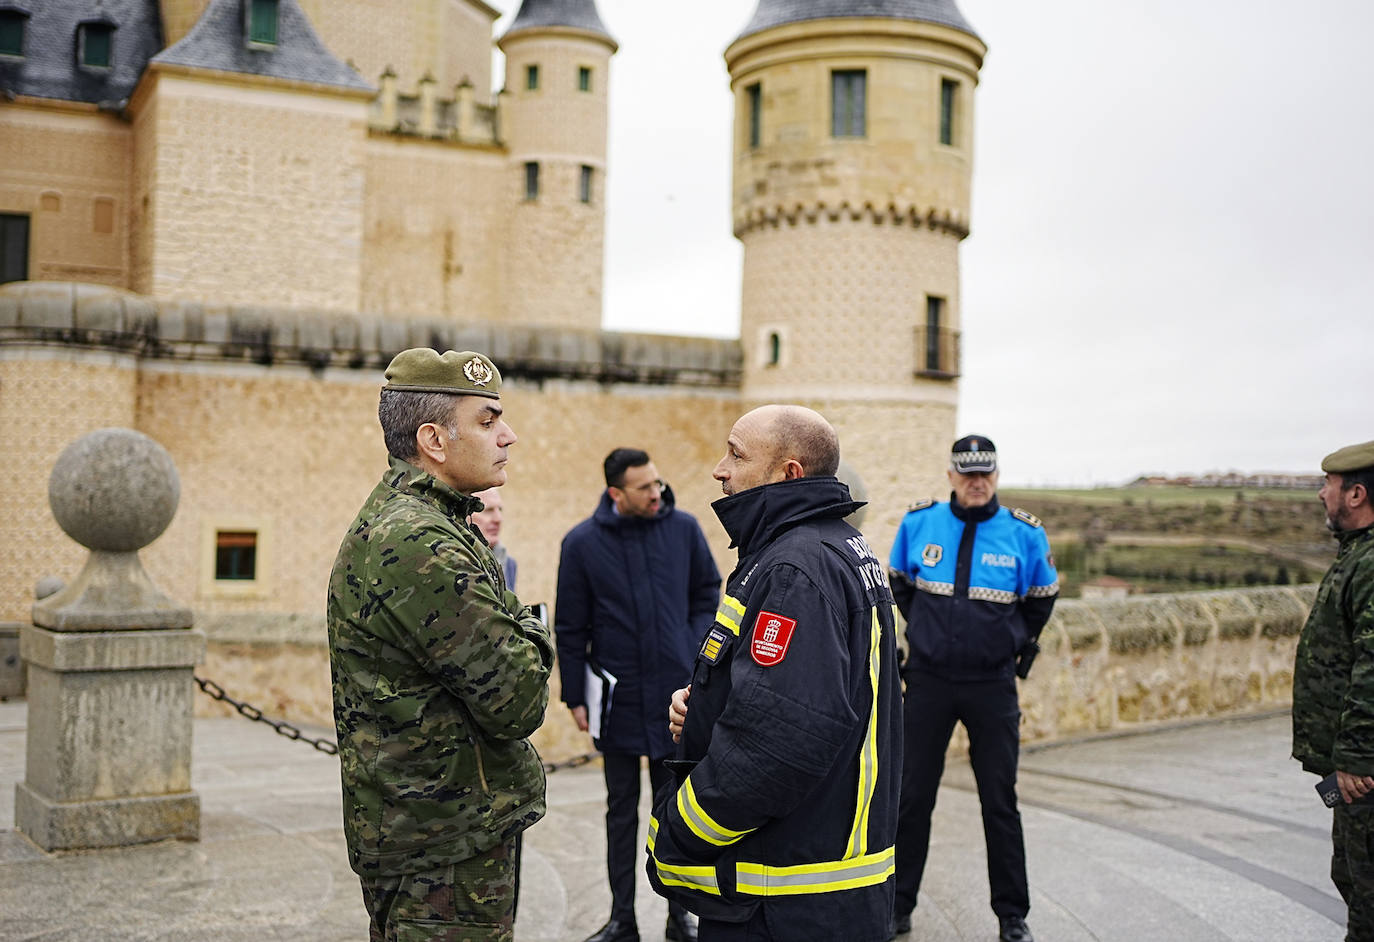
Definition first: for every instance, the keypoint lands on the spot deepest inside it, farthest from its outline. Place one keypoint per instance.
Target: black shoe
(616, 930)
(682, 927)
(1014, 929)
(901, 924)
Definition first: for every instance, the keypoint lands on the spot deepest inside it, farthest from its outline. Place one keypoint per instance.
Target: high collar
(753, 518)
(607, 516)
(1350, 537)
(973, 514)
(408, 479)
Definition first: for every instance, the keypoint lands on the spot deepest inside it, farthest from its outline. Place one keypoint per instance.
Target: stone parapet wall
(1107, 665)
(68, 315)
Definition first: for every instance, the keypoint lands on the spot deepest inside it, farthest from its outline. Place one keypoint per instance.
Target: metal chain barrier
(215, 692)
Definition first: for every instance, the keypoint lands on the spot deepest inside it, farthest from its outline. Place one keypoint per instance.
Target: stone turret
(553, 116)
(853, 153)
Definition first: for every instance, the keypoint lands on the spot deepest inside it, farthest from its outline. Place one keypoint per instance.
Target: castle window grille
(532, 77)
(584, 186)
(94, 45)
(584, 79)
(943, 343)
(14, 247)
(848, 90)
(12, 24)
(949, 92)
(754, 93)
(531, 181)
(236, 555)
(262, 22)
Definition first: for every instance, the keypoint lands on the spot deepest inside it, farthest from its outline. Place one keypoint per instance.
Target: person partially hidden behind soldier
(977, 583)
(1333, 682)
(439, 673)
(781, 820)
(490, 520)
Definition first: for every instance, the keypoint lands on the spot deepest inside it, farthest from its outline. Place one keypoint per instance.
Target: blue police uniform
(781, 823)
(985, 584)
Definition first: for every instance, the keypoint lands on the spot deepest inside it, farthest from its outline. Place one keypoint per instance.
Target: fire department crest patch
(932, 554)
(772, 633)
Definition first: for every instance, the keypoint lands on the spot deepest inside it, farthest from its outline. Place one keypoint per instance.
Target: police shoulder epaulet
(921, 505)
(1026, 517)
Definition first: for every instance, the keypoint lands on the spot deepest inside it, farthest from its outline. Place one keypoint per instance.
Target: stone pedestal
(109, 738)
(109, 663)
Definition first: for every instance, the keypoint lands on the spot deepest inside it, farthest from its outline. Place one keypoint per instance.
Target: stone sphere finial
(114, 490)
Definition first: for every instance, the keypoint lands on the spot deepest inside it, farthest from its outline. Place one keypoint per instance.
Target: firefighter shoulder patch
(1026, 517)
(772, 633)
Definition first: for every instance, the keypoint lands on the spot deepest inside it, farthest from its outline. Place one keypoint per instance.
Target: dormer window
(12, 23)
(94, 45)
(260, 22)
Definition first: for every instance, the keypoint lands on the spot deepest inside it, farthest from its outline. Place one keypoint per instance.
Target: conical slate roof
(217, 42)
(770, 13)
(578, 14)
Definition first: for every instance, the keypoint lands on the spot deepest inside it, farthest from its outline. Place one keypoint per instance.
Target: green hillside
(1173, 539)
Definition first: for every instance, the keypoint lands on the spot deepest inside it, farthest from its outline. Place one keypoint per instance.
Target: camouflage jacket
(440, 675)
(1333, 678)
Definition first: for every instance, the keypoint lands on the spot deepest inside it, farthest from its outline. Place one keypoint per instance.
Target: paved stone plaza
(1202, 833)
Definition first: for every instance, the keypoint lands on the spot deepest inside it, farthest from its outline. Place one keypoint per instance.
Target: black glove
(1026, 657)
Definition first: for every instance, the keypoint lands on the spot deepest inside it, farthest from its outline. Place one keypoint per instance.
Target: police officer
(1333, 681)
(977, 583)
(439, 673)
(782, 819)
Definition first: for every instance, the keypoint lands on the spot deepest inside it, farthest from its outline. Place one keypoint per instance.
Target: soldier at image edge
(440, 674)
(1333, 682)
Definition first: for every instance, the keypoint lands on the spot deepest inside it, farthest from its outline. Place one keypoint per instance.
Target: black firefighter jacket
(793, 735)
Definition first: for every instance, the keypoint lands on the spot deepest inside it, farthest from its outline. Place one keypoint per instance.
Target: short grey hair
(402, 413)
(805, 435)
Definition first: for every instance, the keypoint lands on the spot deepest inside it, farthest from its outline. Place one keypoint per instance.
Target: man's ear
(1356, 499)
(792, 469)
(432, 442)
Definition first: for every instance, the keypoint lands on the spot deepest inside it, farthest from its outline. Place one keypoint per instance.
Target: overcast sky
(1172, 258)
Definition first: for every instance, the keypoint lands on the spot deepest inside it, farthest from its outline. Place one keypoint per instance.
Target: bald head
(777, 443)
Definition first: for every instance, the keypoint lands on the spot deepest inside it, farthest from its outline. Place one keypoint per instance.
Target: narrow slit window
(848, 91)
(532, 77)
(531, 180)
(754, 93)
(934, 314)
(584, 185)
(236, 555)
(584, 79)
(14, 247)
(949, 99)
(774, 348)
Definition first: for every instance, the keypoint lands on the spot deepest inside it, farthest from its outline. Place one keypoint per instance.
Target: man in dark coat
(637, 590)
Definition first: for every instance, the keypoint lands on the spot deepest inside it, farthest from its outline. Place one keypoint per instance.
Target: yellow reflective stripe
(868, 753)
(729, 613)
(831, 876)
(699, 822)
(702, 879)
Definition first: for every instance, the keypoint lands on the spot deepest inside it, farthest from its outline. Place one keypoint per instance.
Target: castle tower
(553, 123)
(853, 152)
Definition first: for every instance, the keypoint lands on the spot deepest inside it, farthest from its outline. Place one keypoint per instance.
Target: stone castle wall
(1107, 666)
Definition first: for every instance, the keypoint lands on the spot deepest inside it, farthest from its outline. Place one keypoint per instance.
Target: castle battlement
(948, 221)
(459, 119)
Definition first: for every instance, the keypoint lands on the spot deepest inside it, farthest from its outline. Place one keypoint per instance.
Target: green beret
(1349, 458)
(426, 370)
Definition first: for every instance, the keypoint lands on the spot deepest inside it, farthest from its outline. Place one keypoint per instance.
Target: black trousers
(992, 716)
(624, 853)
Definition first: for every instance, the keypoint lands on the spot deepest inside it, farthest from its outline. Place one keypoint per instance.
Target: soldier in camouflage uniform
(440, 674)
(1333, 681)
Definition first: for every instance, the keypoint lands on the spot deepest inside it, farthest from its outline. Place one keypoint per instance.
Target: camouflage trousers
(470, 901)
(1352, 867)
